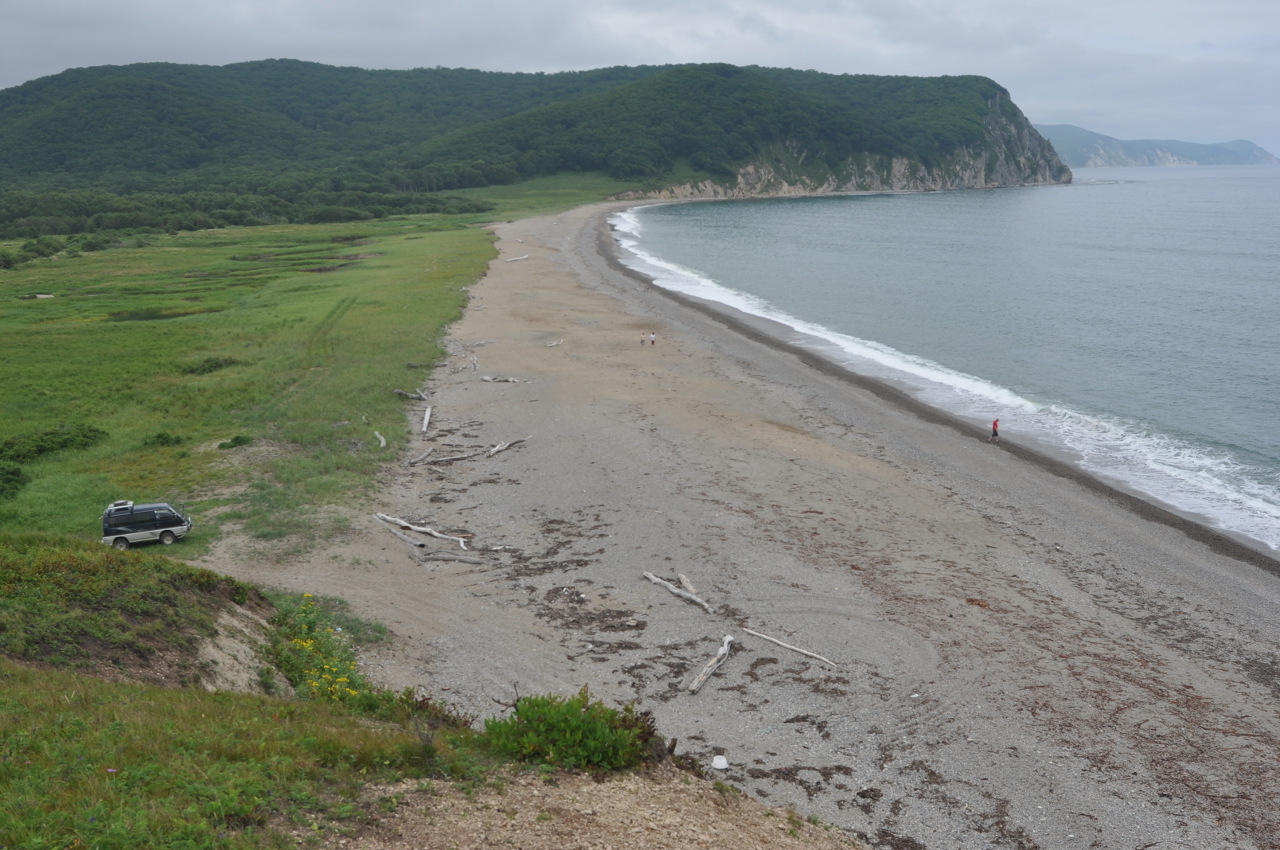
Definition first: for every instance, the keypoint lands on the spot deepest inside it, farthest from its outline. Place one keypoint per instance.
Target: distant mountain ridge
(167, 146)
(159, 125)
(1080, 148)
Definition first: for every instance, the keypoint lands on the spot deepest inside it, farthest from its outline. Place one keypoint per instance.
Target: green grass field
(291, 336)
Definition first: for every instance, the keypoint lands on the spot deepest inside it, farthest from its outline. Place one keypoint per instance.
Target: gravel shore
(1020, 656)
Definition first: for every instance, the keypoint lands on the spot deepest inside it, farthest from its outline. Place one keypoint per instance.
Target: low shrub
(208, 365)
(24, 448)
(12, 479)
(236, 442)
(317, 657)
(572, 732)
(161, 439)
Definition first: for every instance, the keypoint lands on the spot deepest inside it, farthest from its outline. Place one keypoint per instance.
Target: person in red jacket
(995, 432)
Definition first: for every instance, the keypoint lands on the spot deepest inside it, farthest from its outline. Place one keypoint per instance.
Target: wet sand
(1022, 657)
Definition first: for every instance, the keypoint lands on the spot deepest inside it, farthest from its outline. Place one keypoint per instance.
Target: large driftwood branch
(713, 665)
(390, 520)
(790, 647)
(420, 458)
(521, 257)
(683, 594)
(419, 395)
(500, 447)
(426, 419)
(459, 457)
(448, 556)
(382, 441)
(490, 451)
(412, 541)
(493, 380)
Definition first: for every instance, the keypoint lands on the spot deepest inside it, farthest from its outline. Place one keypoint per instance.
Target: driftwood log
(426, 419)
(382, 441)
(467, 456)
(683, 594)
(490, 451)
(501, 447)
(790, 647)
(420, 458)
(493, 380)
(412, 541)
(448, 556)
(418, 395)
(394, 521)
(713, 665)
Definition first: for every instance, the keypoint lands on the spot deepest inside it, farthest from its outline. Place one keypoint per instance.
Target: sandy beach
(1019, 657)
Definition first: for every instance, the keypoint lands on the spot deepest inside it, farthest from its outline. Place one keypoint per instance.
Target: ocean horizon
(1128, 323)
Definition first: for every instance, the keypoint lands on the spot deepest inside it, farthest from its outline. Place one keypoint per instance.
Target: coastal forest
(94, 152)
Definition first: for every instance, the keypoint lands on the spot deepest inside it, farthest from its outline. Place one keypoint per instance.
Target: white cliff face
(1012, 154)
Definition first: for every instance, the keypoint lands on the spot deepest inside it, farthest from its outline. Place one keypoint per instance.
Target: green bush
(572, 732)
(161, 439)
(12, 479)
(208, 365)
(236, 442)
(25, 448)
(317, 656)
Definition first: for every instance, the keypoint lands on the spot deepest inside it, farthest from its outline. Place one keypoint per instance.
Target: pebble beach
(998, 652)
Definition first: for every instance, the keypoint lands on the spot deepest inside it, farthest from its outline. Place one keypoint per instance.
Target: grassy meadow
(288, 338)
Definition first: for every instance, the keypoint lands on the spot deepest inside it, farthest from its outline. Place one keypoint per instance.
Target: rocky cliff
(1011, 153)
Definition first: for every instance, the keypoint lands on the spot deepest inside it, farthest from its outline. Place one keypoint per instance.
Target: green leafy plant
(209, 365)
(161, 439)
(12, 479)
(24, 448)
(572, 732)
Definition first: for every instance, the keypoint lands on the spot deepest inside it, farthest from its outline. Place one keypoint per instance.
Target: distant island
(1079, 148)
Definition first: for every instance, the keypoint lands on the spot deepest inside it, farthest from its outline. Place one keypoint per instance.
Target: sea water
(1129, 322)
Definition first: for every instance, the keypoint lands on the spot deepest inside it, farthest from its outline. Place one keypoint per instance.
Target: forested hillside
(167, 146)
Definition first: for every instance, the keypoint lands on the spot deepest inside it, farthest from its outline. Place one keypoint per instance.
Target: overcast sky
(1194, 70)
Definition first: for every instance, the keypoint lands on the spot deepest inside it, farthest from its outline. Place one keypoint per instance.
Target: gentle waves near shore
(1128, 323)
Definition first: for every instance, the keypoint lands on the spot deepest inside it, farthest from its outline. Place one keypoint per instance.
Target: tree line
(161, 146)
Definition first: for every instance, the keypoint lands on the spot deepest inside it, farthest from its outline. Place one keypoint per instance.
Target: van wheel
(166, 537)
(120, 543)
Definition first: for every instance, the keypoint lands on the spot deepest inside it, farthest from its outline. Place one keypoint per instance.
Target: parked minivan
(124, 523)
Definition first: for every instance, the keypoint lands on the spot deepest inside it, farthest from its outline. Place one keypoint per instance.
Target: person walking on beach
(653, 338)
(995, 432)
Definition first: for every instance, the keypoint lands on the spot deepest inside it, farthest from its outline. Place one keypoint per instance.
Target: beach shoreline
(770, 333)
(1019, 657)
